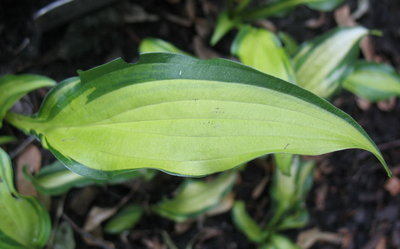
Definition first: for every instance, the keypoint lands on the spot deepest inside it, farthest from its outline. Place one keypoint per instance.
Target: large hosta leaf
(184, 116)
(321, 63)
(262, 50)
(373, 81)
(24, 223)
(14, 87)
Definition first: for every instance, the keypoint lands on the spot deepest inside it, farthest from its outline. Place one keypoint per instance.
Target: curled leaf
(14, 87)
(24, 221)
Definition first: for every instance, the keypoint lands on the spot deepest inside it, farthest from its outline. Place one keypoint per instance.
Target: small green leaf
(224, 24)
(149, 45)
(373, 81)
(196, 197)
(277, 241)
(25, 224)
(284, 163)
(14, 87)
(56, 179)
(288, 195)
(262, 50)
(246, 224)
(320, 64)
(64, 238)
(7, 139)
(124, 220)
(325, 5)
(185, 116)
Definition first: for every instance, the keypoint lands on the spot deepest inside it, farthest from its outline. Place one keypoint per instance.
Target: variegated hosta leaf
(196, 197)
(14, 87)
(124, 220)
(288, 195)
(321, 63)
(373, 81)
(185, 116)
(262, 50)
(24, 223)
(325, 5)
(246, 224)
(56, 179)
(149, 45)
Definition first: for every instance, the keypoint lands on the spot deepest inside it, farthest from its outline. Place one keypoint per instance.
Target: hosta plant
(181, 115)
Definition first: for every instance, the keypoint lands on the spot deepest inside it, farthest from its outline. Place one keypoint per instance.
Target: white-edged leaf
(373, 81)
(14, 87)
(196, 197)
(25, 224)
(261, 49)
(56, 179)
(184, 116)
(321, 63)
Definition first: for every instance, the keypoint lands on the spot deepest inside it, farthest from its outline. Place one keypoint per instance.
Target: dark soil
(349, 195)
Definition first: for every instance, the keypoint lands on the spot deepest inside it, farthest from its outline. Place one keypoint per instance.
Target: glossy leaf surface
(196, 197)
(262, 50)
(14, 87)
(25, 224)
(321, 63)
(184, 116)
(124, 220)
(373, 81)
